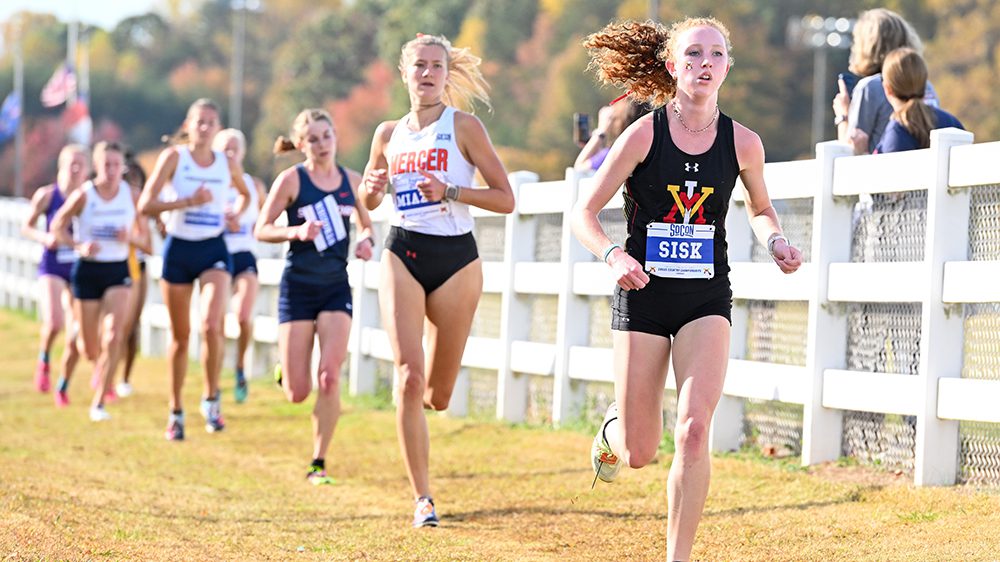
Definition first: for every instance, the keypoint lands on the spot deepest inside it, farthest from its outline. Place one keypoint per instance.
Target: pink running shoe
(62, 399)
(42, 377)
(110, 396)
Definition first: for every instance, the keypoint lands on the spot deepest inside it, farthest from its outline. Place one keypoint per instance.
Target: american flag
(60, 87)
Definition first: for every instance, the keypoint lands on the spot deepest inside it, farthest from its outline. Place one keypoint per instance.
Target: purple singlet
(59, 261)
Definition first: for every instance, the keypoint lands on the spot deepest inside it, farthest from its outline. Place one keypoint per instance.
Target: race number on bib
(65, 255)
(410, 202)
(202, 218)
(680, 251)
(328, 212)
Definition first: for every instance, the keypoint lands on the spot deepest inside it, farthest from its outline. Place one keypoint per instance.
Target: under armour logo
(412, 255)
(689, 167)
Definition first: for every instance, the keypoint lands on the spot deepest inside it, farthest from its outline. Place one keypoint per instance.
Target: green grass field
(74, 490)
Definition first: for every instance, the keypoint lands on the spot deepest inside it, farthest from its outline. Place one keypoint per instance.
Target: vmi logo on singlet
(688, 203)
(431, 160)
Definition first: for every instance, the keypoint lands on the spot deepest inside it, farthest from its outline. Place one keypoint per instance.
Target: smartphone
(581, 128)
(850, 80)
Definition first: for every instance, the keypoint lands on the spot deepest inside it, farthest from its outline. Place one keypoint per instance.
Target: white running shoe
(602, 459)
(99, 414)
(123, 389)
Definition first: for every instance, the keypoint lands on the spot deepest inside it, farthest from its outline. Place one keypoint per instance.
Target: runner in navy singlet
(679, 166)
(319, 199)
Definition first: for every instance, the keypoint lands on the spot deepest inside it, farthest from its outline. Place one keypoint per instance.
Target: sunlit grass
(70, 489)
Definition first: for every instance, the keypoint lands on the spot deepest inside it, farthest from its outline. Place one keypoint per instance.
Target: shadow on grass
(854, 496)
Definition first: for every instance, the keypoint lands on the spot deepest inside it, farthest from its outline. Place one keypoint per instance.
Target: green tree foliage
(343, 56)
(964, 60)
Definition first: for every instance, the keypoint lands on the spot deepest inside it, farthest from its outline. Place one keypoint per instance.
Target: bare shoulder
(288, 177)
(384, 130)
(467, 122)
(749, 146)
(43, 194)
(638, 137)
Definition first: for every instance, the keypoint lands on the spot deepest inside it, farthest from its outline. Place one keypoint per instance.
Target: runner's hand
(376, 180)
(431, 187)
(308, 230)
(788, 258)
(628, 272)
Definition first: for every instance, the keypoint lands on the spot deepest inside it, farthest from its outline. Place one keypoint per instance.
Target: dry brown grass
(70, 489)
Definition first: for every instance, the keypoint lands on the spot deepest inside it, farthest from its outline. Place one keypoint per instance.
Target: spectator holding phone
(862, 115)
(904, 79)
(611, 121)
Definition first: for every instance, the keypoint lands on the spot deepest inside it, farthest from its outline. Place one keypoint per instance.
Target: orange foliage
(357, 115)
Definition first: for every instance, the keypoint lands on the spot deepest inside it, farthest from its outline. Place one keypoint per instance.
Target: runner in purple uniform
(54, 299)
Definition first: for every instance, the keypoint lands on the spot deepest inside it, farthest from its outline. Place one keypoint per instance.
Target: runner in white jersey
(199, 180)
(242, 247)
(432, 149)
(106, 225)
(430, 267)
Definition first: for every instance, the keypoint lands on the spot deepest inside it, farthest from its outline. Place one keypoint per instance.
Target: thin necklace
(422, 107)
(677, 112)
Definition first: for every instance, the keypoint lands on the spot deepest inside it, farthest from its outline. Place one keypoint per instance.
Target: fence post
(826, 339)
(365, 313)
(726, 430)
(941, 329)
(573, 317)
(515, 310)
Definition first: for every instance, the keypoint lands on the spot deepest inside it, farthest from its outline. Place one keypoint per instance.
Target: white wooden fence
(937, 396)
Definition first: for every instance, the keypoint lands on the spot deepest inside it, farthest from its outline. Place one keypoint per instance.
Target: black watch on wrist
(837, 120)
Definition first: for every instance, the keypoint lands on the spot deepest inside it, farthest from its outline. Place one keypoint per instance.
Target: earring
(687, 65)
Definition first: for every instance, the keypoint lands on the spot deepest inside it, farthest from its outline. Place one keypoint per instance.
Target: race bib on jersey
(680, 251)
(202, 218)
(330, 213)
(104, 232)
(65, 255)
(410, 202)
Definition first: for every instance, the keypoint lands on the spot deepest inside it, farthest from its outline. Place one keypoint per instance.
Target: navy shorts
(305, 301)
(430, 259)
(91, 279)
(244, 262)
(660, 310)
(185, 260)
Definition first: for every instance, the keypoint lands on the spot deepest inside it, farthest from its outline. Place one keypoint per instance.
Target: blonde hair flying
(465, 84)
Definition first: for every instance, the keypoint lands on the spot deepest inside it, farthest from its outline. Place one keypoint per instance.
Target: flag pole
(19, 88)
(72, 38)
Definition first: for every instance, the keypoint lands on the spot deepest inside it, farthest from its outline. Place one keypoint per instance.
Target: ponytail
(631, 56)
(918, 119)
(905, 74)
(283, 144)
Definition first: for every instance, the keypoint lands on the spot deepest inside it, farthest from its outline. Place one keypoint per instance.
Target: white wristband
(772, 239)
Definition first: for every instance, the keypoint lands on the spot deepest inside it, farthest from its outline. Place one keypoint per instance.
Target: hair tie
(620, 98)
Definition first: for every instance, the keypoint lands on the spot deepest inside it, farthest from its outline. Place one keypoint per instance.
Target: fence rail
(933, 397)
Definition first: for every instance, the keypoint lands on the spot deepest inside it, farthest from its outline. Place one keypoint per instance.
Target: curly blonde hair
(630, 55)
(465, 84)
